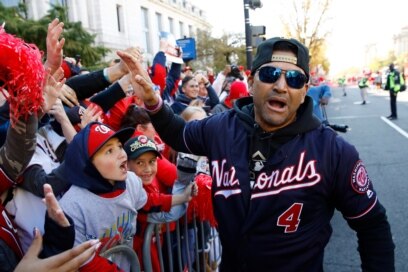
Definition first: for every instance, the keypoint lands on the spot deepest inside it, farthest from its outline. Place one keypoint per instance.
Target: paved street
(383, 146)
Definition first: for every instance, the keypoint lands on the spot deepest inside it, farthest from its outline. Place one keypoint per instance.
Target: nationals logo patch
(359, 178)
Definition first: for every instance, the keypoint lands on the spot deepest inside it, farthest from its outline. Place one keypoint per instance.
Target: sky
(353, 25)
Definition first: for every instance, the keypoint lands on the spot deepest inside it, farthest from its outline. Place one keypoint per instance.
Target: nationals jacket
(275, 193)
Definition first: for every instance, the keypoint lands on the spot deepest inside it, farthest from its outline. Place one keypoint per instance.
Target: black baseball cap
(136, 146)
(264, 54)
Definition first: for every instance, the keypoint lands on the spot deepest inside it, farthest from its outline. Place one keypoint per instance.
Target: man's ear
(306, 88)
(250, 81)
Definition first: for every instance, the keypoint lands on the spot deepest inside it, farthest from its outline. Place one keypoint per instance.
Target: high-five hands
(139, 76)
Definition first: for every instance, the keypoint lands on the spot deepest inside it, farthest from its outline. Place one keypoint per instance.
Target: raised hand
(57, 110)
(52, 89)
(68, 96)
(53, 208)
(91, 114)
(54, 45)
(134, 51)
(140, 77)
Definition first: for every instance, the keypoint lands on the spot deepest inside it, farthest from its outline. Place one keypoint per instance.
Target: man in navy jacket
(278, 173)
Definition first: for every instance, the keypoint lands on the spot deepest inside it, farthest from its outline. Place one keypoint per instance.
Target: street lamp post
(248, 35)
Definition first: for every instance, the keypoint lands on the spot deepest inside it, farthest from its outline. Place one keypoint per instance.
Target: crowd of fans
(83, 141)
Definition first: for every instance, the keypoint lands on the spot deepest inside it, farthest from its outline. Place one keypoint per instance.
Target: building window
(190, 31)
(181, 27)
(159, 22)
(145, 30)
(171, 25)
(119, 15)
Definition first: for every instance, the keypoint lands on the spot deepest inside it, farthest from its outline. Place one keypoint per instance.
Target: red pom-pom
(202, 203)
(22, 74)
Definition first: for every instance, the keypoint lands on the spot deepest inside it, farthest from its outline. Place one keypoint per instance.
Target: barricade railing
(189, 247)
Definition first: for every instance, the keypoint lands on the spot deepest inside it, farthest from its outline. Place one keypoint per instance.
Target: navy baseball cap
(264, 54)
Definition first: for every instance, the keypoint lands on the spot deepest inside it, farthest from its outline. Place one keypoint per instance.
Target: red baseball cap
(100, 133)
(238, 89)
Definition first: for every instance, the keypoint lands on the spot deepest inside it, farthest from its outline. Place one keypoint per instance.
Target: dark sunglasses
(294, 79)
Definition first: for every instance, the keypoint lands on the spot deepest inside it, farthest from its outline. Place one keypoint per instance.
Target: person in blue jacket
(321, 94)
(278, 173)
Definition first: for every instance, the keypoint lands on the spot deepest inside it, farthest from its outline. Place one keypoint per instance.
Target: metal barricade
(192, 247)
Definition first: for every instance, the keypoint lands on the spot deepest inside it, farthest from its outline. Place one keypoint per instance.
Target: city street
(383, 147)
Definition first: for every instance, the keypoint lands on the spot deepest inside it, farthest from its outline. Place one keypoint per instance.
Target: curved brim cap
(136, 146)
(264, 54)
(100, 133)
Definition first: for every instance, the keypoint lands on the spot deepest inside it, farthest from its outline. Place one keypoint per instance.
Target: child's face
(111, 161)
(144, 166)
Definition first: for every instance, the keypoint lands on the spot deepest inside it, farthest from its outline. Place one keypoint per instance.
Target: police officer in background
(393, 84)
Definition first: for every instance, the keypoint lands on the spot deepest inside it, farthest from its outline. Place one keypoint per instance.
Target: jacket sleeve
(117, 112)
(170, 128)
(166, 172)
(17, 151)
(375, 242)
(158, 71)
(326, 92)
(213, 97)
(34, 178)
(157, 202)
(87, 85)
(175, 212)
(57, 239)
(99, 263)
(109, 97)
(387, 83)
(172, 81)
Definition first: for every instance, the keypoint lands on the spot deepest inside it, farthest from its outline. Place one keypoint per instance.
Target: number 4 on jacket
(290, 218)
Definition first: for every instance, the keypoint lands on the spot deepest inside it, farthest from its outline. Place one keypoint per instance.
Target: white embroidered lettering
(288, 178)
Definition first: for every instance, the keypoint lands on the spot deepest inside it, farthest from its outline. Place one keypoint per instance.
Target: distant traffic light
(258, 33)
(258, 30)
(253, 4)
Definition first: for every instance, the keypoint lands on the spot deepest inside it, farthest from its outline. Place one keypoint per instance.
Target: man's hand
(134, 51)
(54, 45)
(140, 77)
(324, 101)
(70, 260)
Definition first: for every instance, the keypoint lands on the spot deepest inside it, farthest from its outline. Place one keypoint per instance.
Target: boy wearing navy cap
(104, 197)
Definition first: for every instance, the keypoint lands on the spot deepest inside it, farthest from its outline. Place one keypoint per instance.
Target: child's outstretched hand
(53, 208)
(191, 191)
(52, 88)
